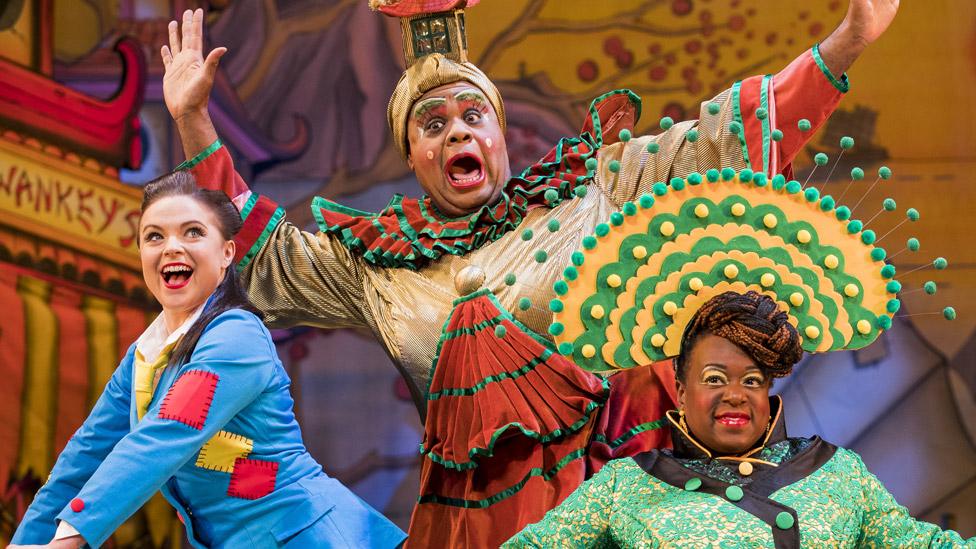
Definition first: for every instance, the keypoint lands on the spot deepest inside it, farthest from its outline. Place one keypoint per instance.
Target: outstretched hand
(189, 77)
(868, 19)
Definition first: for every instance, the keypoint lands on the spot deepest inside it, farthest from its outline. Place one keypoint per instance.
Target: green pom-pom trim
(846, 142)
(811, 194)
(878, 254)
(646, 201)
(855, 226)
(500, 331)
(629, 209)
(745, 175)
(524, 304)
(565, 348)
(553, 225)
(591, 163)
(580, 191)
(893, 305)
(820, 159)
(779, 181)
(570, 273)
(793, 187)
(949, 313)
(692, 135)
(843, 213)
(589, 242)
(560, 287)
(912, 214)
(614, 166)
(624, 135)
(827, 203)
(728, 174)
(527, 235)
(761, 113)
(666, 123)
(556, 306)
(913, 244)
(695, 178)
(857, 174)
(777, 135)
(884, 172)
(616, 219)
(510, 279)
(735, 128)
(677, 183)
(889, 204)
(804, 125)
(653, 147)
(888, 271)
(884, 322)
(714, 108)
(541, 256)
(659, 188)
(893, 287)
(940, 263)
(577, 258)
(712, 175)
(551, 195)
(602, 229)
(759, 179)
(868, 237)
(930, 287)
(556, 328)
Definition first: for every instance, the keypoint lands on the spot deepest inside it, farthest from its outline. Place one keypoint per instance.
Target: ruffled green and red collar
(410, 232)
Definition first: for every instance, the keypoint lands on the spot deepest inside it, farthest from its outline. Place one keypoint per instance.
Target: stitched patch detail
(188, 400)
(221, 451)
(252, 478)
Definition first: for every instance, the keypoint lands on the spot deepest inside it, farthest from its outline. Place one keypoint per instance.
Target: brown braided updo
(754, 323)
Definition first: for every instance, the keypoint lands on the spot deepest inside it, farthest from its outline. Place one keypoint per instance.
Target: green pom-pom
(556, 306)
(570, 273)
(616, 219)
(761, 113)
(888, 271)
(855, 226)
(677, 183)
(759, 179)
(779, 181)
(804, 125)
(811, 194)
(624, 135)
(878, 254)
(659, 188)
(912, 214)
(695, 178)
(940, 263)
(712, 175)
(591, 163)
(565, 348)
(893, 287)
(827, 203)
(846, 142)
(589, 242)
(949, 313)
(556, 328)
(884, 322)
(857, 174)
(646, 201)
(560, 287)
(868, 237)
(820, 159)
(541, 256)
(551, 195)
(777, 135)
(884, 172)
(843, 213)
(653, 147)
(889, 204)
(527, 235)
(577, 258)
(728, 174)
(629, 208)
(510, 279)
(745, 175)
(553, 225)
(614, 166)
(692, 135)
(793, 187)
(500, 331)
(930, 287)
(913, 244)
(580, 191)
(602, 229)
(524, 304)
(666, 123)
(735, 128)
(893, 305)
(714, 108)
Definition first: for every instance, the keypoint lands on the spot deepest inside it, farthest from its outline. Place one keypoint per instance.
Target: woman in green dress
(734, 479)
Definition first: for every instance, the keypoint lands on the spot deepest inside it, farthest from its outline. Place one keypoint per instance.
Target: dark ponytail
(228, 294)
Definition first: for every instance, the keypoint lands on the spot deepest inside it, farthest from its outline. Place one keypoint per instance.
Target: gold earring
(681, 419)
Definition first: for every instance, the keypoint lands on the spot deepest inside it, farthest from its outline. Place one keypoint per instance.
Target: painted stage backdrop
(301, 101)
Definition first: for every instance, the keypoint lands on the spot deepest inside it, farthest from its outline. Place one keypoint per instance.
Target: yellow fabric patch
(221, 451)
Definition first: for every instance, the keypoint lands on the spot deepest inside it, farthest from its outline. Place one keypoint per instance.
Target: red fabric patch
(77, 505)
(188, 400)
(252, 478)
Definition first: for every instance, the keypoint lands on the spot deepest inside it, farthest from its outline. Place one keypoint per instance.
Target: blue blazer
(220, 440)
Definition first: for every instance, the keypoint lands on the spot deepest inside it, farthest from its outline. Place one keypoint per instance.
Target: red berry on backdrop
(742, 53)
(654, 48)
(816, 29)
(705, 15)
(658, 73)
(694, 87)
(771, 38)
(587, 70)
(693, 46)
(612, 45)
(737, 22)
(681, 7)
(670, 58)
(625, 59)
(674, 110)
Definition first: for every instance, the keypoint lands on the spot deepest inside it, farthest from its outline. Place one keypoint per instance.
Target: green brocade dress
(816, 495)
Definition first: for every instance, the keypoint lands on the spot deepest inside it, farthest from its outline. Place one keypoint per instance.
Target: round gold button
(745, 468)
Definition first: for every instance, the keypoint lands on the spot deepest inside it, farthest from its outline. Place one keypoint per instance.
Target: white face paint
(488, 142)
(430, 155)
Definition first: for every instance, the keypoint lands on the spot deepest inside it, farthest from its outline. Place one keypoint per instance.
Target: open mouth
(464, 170)
(733, 419)
(176, 275)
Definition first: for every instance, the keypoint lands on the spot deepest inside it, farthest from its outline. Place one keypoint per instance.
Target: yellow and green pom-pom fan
(636, 283)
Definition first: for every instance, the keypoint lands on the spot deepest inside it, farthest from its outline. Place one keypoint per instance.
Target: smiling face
(184, 256)
(725, 396)
(457, 149)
